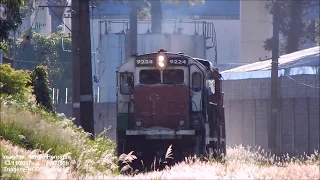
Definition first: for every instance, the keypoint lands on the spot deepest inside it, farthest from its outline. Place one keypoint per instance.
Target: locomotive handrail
(199, 115)
(208, 29)
(124, 103)
(203, 82)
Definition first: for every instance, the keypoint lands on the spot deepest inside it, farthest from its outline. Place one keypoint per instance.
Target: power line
(59, 17)
(304, 84)
(47, 45)
(37, 62)
(30, 29)
(101, 53)
(105, 65)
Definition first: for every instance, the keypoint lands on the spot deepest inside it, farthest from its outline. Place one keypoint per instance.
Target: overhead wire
(47, 45)
(28, 35)
(60, 17)
(44, 52)
(301, 83)
(36, 62)
(97, 79)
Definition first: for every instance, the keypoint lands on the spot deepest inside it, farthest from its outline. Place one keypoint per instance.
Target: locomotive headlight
(181, 122)
(138, 123)
(161, 60)
(161, 64)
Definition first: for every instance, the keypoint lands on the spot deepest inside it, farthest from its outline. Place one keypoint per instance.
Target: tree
(14, 83)
(51, 51)
(10, 18)
(40, 83)
(293, 26)
(156, 16)
(143, 8)
(155, 9)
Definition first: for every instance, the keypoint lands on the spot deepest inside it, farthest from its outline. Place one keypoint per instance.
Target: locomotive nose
(162, 106)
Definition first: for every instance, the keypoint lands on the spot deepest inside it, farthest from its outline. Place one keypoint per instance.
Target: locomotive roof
(204, 62)
(207, 63)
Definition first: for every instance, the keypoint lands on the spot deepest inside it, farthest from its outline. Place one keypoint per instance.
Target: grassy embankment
(35, 129)
(29, 132)
(59, 136)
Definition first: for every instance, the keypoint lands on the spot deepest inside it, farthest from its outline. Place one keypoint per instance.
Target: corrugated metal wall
(191, 45)
(247, 112)
(112, 54)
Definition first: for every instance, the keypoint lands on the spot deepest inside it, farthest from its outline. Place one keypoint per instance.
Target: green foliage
(152, 9)
(50, 51)
(29, 126)
(40, 83)
(7, 174)
(294, 27)
(4, 47)
(14, 83)
(12, 18)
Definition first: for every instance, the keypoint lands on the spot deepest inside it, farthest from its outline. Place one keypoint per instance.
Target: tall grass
(240, 163)
(31, 130)
(57, 136)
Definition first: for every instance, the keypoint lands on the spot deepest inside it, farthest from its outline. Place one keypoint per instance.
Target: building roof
(301, 62)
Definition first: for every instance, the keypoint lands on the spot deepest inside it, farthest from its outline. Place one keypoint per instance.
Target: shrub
(14, 82)
(40, 83)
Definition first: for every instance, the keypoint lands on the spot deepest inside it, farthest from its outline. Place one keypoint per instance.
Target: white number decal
(178, 62)
(144, 62)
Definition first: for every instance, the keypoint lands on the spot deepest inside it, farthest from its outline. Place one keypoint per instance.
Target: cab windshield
(170, 76)
(173, 76)
(150, 76)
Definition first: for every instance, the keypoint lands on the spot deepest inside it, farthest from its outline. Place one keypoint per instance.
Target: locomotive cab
(163, 99)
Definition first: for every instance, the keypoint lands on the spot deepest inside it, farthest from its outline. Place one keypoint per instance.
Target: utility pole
(14, 49)
(82, 99)
(272, 125)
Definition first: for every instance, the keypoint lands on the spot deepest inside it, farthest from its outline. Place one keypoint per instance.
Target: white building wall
(43, 19)
(238, 41)
(67, 20)
(256, 27)
(40, 19)
(227, 34)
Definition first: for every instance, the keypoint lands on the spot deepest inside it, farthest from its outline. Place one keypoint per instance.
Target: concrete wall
(247, 111)
(104, 116)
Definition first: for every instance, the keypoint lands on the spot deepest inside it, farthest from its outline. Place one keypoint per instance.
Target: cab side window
(196, 81)
(125, 82)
